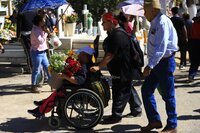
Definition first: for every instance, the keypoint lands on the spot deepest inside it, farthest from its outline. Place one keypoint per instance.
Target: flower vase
(69, 29)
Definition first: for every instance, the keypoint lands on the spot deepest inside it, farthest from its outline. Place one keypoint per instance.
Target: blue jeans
(161, 76)
(38, 58)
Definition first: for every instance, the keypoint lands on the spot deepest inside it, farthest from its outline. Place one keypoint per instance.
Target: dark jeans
(124, 92)
(121, 93)
(27, 45)
(183, 51)
(194, 57)
(135, 102)
(161, 76)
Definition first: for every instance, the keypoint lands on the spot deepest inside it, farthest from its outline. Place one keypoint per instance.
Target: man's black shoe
(112, 119)
(38, 103)
(135, 114)
(152, 125)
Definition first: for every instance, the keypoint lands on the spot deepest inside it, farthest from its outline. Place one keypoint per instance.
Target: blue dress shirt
(162, 40)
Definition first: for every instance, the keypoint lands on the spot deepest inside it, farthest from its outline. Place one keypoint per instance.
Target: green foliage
(57, 61)
(94, 6)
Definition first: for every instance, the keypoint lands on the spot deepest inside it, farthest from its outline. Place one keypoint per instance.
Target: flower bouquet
(73, 18)
(5, 35)
(62, 63)
(9, 30)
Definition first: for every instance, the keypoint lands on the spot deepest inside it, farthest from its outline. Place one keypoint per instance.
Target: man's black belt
(164, 58)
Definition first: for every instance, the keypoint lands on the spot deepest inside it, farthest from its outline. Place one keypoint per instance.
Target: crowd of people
(166, 37)
(188, 38)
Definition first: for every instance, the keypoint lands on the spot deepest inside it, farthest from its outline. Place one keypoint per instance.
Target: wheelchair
(81, 108)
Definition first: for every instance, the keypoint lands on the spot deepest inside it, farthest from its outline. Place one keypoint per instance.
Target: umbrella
(129, 2)
(38, 4)
(134, 9)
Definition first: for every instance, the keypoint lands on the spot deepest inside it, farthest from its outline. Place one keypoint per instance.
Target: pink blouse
(38, 39)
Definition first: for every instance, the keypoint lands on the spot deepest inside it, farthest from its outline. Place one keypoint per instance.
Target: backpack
(136, 56)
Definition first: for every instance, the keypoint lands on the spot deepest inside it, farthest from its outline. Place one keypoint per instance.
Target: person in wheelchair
(79, 79)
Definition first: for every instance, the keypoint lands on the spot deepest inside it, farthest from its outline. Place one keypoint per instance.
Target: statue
(90, 23)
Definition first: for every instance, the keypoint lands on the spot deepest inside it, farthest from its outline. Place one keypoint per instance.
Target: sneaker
(36, 113)
(38, 103)
(34, 89)
(181, 67)
(45, 82)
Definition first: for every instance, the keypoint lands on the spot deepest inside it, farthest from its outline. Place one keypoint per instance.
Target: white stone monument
(61, 10)
(3, 13)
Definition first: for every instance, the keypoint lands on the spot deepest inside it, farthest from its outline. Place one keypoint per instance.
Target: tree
(94, 6)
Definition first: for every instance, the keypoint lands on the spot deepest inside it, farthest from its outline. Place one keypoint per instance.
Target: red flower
(72, 66)
(56, 43)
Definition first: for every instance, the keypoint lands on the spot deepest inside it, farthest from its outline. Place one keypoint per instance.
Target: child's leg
(49, 103)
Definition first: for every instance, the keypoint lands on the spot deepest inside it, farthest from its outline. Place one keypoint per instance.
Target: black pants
(122, 93)
(194, 57)
(183, 50)
(27, 45)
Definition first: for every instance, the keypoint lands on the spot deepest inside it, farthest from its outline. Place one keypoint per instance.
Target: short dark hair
(186, 16)
(37, 19)
(174, 10)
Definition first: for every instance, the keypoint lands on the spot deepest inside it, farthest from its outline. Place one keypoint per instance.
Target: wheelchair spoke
(83, 109)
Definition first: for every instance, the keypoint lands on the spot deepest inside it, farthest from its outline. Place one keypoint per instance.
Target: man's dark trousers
(162, 76)
(121, 92)
(194, 56)
(135, 102)
(27, 45)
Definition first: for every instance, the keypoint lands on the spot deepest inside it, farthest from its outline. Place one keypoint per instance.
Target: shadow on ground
(194, 92)
(24, 125)
(181, 81)
(127, 128)
(14, 89)
(197, 110)
(6, 72)
(32, 125)
(189, 117)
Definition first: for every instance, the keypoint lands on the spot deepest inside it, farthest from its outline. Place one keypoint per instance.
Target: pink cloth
(129, 28)
(38, 39)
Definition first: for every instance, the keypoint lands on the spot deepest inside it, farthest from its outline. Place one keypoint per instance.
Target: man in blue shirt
(161, 47)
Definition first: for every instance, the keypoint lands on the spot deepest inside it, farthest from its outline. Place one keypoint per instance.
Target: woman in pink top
(39, 46)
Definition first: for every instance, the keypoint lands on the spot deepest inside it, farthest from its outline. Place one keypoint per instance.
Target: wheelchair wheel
(83, 109)
(54, 122)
